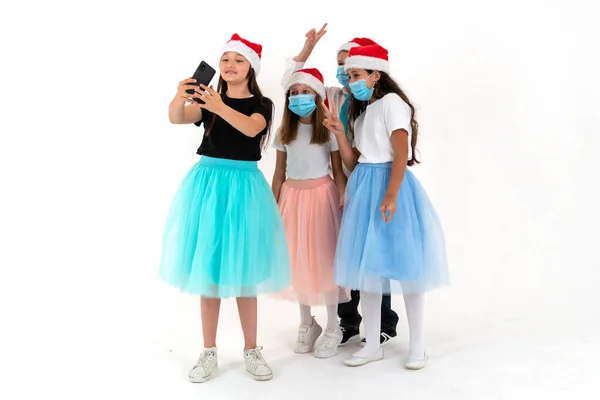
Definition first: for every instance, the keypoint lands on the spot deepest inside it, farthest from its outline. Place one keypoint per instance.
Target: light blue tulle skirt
(224, 236)
(406, 255)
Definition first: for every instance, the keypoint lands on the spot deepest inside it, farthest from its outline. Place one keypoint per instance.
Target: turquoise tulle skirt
(406, 255)
(224, 236)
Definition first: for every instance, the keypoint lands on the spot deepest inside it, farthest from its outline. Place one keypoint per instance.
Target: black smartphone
(203, 75)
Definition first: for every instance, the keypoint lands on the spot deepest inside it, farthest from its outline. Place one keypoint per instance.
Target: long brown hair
(385, 85)
(289, 124)
(256, 92)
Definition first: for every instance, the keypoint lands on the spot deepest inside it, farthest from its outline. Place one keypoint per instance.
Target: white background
(508, 101)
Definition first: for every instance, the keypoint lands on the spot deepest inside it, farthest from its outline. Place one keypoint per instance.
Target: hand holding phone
(184, 87)
(203, 75)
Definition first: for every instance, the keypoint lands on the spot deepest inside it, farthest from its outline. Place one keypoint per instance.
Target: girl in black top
(224, 236)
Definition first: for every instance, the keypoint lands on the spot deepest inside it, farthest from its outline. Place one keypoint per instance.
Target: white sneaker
(205, 367)
(256, 365)
(328, 344)
(307, 336)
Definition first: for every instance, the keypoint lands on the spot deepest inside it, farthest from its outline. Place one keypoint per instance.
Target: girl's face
(299, 88)
(234, 67)
(342, 55)
(356, 75)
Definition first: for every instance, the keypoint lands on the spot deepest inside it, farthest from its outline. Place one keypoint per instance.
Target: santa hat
(354, 43)
(372, 57)
(310, 77)
(251, 51)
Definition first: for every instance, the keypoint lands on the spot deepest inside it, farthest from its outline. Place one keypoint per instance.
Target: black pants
(351, 319)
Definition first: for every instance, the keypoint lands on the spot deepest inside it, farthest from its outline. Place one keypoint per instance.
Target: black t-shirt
(224, 141)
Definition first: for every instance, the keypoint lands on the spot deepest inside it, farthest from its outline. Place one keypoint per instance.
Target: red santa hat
(373, 57)
(310, 77)
(251, 51)
(354, 43)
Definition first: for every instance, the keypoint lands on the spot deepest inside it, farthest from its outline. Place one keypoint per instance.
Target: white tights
(371, 310)
(332, 318)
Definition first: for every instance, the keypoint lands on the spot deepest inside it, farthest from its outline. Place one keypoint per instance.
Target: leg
(305, 315)
(207, 363)
(415, 304)
(308, 331)
(389, 318)
(248, 316)
(209, 310)
(371, 308)
(253, 359)
(348, 312)
(350, 319)
(332, 321)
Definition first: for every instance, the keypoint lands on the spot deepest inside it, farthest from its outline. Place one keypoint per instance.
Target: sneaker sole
(352, 339)
(204, 378)
(262, 378)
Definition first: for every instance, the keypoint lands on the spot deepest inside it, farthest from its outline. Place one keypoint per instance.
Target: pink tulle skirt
(311, 219)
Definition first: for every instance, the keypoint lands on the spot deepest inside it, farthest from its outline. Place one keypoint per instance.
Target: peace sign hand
(313, 36)
(332, 120)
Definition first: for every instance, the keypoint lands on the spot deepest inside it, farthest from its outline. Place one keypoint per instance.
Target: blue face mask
(360, 90)
(342, 76)
(302, 104)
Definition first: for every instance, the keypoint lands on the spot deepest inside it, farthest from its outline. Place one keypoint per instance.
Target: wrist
(391, 194)
(222, 109)
(304, 54)
(179, 100)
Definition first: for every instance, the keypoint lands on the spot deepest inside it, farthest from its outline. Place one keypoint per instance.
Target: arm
(348, 153)
(292, 65)
(179, 113)
(400, 146)
(312, 38)
(279, 175)
(338, 175)
(249, 125)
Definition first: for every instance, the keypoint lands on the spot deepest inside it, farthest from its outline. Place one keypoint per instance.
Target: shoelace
(330, 339)
(205, 359)
(327, 341)
(303, 336)
(255, 356)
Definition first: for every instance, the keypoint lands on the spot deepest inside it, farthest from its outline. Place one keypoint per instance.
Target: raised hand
(332, 120)
(313, 36)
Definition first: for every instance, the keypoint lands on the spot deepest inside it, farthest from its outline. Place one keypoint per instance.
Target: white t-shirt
(306, 160)
(373, 129)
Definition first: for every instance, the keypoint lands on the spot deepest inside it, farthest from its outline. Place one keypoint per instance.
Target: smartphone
(203, 75)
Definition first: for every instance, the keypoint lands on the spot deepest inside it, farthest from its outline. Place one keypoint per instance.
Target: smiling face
(234, 67)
